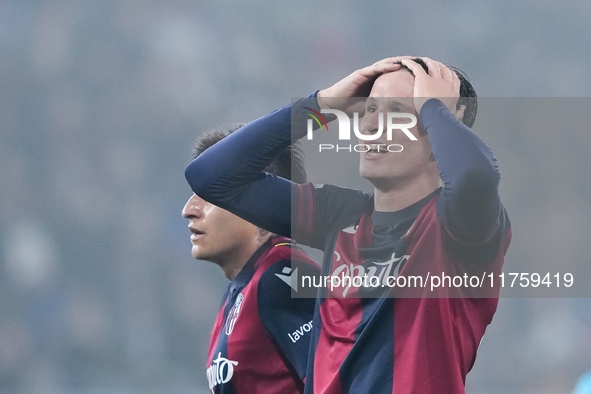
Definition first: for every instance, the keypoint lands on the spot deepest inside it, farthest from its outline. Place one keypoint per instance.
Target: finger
(397, 59)
(446, 73)
(456, 81)
(390, 62)
(378, 68)
(414, 67)
(394, 59)
(433, 67)
(371, 72)
(383, 66)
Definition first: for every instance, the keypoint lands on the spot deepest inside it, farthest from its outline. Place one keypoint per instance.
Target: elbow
(479, 179)
(213, 186)
(199, 179)
(475, 204)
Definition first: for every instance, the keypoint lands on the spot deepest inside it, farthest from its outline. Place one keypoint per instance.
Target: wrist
(321, 97)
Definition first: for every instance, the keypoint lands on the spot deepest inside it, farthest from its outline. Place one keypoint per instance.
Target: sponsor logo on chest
(350, 271)
(220, 371)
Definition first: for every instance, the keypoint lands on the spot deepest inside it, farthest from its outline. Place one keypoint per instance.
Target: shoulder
(340, 192)
(336, 202)
(283, 266)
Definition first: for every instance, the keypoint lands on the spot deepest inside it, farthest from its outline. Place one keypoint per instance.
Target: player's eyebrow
(370, 101)
(395, 103)
(399, 104)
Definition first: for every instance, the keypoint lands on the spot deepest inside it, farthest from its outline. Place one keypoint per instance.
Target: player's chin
(366, 173)
(369, 170)
(198, 253)
(373, 177)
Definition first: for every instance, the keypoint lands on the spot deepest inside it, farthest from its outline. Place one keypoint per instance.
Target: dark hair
(468, 96)
(289, 164)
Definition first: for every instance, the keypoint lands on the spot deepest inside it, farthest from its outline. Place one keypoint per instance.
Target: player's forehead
(394, 84)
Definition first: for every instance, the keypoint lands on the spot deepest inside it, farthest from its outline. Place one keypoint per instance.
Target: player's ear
(460, 112)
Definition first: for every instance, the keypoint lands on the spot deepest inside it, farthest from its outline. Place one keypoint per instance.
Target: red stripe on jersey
(340, 318)
(217, 328)
(310, 209)
(304, 225)
(300, 222)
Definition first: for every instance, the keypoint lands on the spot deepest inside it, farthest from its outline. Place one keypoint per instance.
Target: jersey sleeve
(325, 207)
(469, 206)
(230, 173)
(287, 320)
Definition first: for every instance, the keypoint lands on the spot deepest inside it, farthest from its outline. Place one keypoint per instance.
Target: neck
(403, 195)
(234, 263)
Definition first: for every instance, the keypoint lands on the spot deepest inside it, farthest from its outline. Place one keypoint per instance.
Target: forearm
(230, 173)
(469, 205)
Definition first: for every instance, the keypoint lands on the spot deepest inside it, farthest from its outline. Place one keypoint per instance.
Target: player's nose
(193, 208)
(372, 124)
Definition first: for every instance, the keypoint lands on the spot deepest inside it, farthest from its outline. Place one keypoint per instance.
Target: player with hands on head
(435, 210)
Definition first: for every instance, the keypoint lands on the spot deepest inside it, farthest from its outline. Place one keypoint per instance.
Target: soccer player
(260, 340)
(435, 211)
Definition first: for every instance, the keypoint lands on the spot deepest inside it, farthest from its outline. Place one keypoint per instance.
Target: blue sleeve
(324, 208)
(288, 320)
(229, 174)
(469, 206)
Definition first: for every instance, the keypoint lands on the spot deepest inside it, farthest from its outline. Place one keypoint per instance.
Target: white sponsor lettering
(355, 275)
(220, 371)
(300, 332)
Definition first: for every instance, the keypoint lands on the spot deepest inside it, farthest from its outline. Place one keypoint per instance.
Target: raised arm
(469, 205)
(230, 173)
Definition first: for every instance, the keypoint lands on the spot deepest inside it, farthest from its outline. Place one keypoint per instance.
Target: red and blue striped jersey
(413, 342)
(260, 339)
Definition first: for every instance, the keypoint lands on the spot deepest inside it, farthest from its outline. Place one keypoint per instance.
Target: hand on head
(356, 84)
(441, 83)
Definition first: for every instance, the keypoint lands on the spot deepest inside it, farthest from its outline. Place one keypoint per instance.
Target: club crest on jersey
(233, 314)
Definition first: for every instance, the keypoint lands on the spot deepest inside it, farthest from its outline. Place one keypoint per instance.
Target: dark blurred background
(100, 102)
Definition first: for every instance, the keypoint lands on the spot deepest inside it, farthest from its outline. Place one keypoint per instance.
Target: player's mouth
(375, 150)
(196, 234)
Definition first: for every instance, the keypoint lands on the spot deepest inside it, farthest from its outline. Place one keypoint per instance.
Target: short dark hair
(289, 164)
(468, 96)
